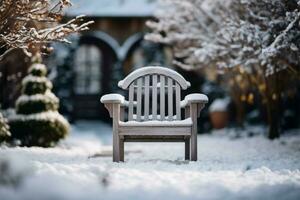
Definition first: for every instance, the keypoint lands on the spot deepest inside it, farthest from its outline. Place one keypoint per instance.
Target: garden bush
(4, 129)
(37, 121)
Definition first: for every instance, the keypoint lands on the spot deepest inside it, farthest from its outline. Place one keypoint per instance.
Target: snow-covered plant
(32, 24)
(37, 121)
(254, 43)
(230, 33)
(4, 129)
(186, 26)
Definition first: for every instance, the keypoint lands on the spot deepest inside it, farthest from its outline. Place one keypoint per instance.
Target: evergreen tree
(37, 121)
(4, 129)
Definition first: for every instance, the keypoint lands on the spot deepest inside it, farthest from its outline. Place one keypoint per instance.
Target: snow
(219, 105)
(38, 66)
(272, 48)
(48, 115)
(185, 122)
(110, 98)
(143, 71)
(32, 78)
(260, 31)
(151, 117)
(115, 8)
(47, 97)
(196, 98)
(81, 167)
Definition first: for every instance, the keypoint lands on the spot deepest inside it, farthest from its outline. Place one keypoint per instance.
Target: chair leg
(193, 114)
(116, 148)
(121, 150)
(187, 149)
(194, 147)
(116, 136)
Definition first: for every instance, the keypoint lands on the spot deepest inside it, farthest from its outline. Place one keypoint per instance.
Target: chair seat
(156, 123)
(156, 128)
(155, 138)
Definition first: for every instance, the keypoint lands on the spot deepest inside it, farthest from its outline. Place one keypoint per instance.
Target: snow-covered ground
(81, 168)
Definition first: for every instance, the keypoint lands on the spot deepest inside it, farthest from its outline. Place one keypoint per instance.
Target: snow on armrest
(194, 98)
(112, 98)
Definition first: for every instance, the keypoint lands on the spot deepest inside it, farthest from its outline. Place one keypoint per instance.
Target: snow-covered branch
(271, 48)
(254, 43)
(230, 33)
(32, 24)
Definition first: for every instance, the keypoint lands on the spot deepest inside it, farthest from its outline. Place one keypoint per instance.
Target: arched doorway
(88, 64)
(94, 60)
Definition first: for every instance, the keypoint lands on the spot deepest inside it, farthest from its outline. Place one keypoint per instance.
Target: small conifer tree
(37, 121)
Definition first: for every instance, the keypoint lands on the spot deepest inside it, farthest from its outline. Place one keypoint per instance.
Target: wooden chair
(154, 111)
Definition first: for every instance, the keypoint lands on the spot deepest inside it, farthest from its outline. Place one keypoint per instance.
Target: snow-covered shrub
(4, 129)
(36, 103)
(254, 43)
(230, 33)
(37, 121)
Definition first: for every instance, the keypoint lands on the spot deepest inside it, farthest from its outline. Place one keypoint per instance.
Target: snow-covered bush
(230, 33)
(254, 43)
(4, 129)
(37, 121)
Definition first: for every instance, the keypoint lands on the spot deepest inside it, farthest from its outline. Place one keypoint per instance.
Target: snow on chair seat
(185, 122)
(153, 110)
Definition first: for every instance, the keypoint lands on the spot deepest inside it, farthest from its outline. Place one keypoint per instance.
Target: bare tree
(32, 24)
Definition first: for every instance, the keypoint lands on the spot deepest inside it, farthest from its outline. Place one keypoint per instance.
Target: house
(112, 48)
(92, 65)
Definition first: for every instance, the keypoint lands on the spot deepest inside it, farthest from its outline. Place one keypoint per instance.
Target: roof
(112, 8)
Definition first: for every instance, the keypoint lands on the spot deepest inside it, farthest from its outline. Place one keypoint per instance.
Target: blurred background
(113, 47)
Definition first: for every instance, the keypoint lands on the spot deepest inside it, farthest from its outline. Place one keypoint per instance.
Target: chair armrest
(109, 100)
(112, 98)
(194, 103)
(194, 98)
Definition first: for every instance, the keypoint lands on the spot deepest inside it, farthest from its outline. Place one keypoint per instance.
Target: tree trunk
(273, 119)
(240, 113)
(273, 97)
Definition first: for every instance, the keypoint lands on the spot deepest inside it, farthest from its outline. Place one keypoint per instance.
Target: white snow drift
(82, 168)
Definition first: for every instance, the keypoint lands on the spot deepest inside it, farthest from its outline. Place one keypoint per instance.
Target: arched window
(88, 60)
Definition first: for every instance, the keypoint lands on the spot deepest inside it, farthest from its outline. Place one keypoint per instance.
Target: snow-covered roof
(112, 8)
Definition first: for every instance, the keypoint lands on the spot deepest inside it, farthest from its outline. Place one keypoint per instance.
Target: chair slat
(170, 99)
(146, 99)
(154, 97)
(177, 97)
(139, 100)
(130, 107)
(162, 97)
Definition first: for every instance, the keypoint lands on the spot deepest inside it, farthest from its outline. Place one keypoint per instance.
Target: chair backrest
(154, 94)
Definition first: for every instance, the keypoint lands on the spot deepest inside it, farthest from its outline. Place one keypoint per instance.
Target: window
(88, 60)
